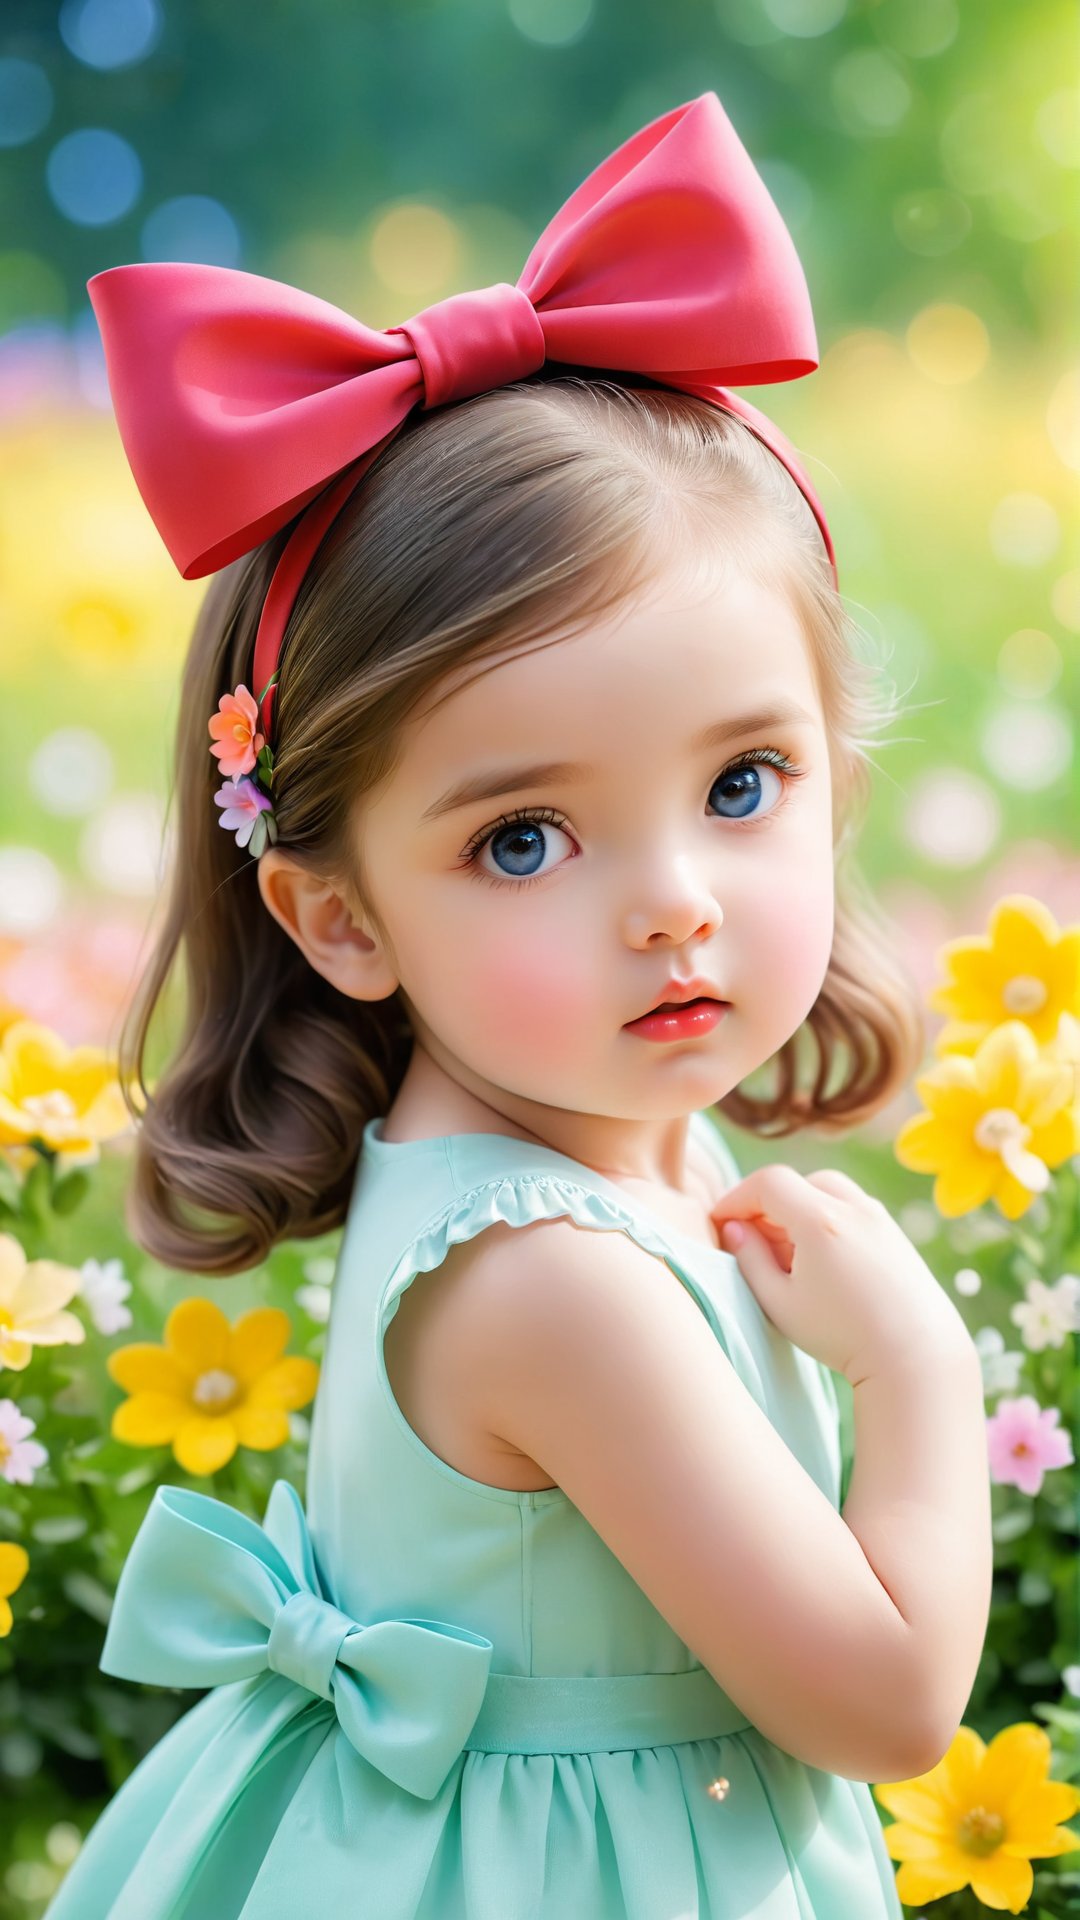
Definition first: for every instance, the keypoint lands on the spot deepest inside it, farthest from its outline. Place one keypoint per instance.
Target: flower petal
(203, 1444)
(197, 1333)
(291, 1383)
(261, 1428)
(148, 1419)
(257, 1340)
(142, 1367)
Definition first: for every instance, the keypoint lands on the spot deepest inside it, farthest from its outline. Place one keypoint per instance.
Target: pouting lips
(677, 1006)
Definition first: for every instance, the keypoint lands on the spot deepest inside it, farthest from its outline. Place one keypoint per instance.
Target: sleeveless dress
(435, 1699)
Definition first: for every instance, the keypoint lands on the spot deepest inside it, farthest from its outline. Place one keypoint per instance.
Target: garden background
(925, 156)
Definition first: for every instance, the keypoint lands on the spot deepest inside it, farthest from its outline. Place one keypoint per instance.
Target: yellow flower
(30, 1299)
(978, 1818)
(212, 1387)
(14, 1567)
(68, 1097)
(998, 1120)
(1025, 969)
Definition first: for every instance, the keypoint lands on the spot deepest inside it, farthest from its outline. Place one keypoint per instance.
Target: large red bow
(238, 397)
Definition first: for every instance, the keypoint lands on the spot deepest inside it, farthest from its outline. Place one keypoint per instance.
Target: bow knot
(207, 1596)
(305, 1640)
(473, 341)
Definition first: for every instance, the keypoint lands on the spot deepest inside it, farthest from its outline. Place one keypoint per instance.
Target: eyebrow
(548, 773)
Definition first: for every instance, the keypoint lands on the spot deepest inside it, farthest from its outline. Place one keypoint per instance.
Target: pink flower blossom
(235, 731)
(19, 1457)
(1023, 1441)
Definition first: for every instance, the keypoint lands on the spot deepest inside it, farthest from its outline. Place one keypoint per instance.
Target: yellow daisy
(979, 1818)
(998, 1120)
(212, 1387)
(69, 1097)
(1025, 968)
(14, 1567)
(31, 1296)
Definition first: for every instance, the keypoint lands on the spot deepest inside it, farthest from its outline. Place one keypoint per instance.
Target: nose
(681, 908)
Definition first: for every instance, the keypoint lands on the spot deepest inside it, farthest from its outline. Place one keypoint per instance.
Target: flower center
(54, 1105)
(215, 1389)
(980, 1831)
(1000, 1130)
(1024, 993)
(7, 1319)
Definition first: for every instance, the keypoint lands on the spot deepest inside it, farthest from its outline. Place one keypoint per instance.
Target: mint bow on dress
(207, 1596)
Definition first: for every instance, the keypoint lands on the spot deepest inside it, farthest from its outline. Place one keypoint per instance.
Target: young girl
(553, 721)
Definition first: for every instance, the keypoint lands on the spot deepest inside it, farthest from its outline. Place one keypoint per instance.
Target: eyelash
(769, 756)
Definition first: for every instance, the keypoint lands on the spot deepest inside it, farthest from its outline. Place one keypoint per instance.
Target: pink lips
(688, 1022)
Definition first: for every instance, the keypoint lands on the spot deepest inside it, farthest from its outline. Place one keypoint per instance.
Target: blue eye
(741, 789)
(518, 838)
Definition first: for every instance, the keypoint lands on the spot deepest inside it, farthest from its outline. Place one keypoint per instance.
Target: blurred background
(925, 157)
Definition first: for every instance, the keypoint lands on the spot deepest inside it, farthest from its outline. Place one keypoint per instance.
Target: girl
(547, 739)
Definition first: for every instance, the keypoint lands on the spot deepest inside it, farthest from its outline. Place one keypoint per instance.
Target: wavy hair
(481, 525)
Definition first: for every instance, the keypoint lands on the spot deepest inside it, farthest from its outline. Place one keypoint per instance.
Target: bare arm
(588, 1354)
(919, 1505)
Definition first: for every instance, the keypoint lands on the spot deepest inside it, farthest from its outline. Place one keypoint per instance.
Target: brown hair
(481, 525)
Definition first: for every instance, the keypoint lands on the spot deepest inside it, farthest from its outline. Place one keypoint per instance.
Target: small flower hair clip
(243, 755)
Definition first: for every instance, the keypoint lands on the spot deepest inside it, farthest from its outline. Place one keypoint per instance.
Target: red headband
(239, 398)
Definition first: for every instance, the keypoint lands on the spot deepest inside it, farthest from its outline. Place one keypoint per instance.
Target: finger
(756, 1258)
(774, 1238)
(775, 1193)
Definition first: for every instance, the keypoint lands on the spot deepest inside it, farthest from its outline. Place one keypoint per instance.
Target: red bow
(238, 398)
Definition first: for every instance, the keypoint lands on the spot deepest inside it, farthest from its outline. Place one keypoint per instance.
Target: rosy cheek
(527, 991)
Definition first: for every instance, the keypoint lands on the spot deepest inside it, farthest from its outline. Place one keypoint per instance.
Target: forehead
(644, 678)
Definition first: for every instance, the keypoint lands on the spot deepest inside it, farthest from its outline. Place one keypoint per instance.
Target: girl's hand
(834, 1272)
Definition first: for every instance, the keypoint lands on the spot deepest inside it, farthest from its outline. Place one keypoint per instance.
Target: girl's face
(561, 837)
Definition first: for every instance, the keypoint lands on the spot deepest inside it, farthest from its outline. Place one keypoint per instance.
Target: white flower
(19, 1457)
(315, 1302)
(1047, 1314)
(1000, 1369)
(103, 1287)
(320, 1269)
(1071, 1677)
(967, 1280)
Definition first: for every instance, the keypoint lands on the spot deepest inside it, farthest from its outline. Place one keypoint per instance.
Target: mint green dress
(434, 1699)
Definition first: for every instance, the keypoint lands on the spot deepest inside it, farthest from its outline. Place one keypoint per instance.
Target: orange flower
(212, 1387)
(234, 729)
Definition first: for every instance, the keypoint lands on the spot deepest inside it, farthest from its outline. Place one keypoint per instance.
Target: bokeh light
(932, 221)
(110, 33)
(1029, 663)
(805, 19)
(1065, 599)
(31, 890)
(919, 28)
(952, 818)
(948, 343)
(192, 226)
(1028, 747)
(71, 771)
(551, 23)
(120, 848)
(870, 92)
(94, 176)
(415, 249)
(1024, 530)
(1063, 419)
(26, 101)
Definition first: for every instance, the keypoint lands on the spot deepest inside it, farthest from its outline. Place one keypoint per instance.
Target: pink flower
(1023, 1440)
(243, 802)
(234, 727)
(19, 1456)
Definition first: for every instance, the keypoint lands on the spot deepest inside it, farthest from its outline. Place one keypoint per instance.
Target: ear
(344, 950)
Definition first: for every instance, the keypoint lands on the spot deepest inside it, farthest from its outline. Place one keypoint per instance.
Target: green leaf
(68, 1192)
